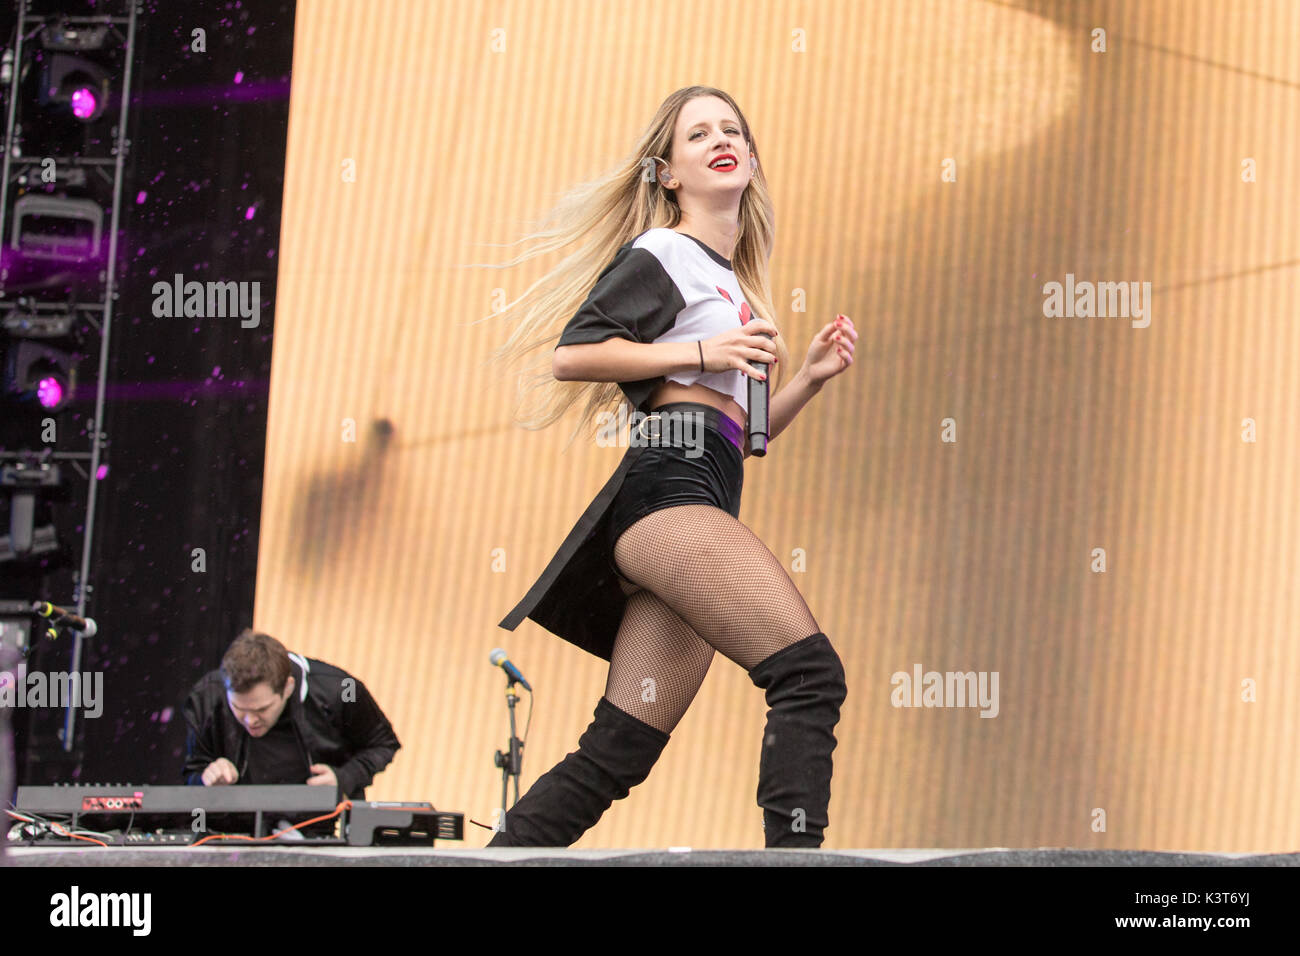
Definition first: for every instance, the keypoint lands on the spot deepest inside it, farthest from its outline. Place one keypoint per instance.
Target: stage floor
(676, 856)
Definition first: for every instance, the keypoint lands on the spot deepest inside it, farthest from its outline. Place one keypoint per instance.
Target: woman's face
(707, 130)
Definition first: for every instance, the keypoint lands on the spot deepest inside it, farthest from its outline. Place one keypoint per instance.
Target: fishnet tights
(706, 582)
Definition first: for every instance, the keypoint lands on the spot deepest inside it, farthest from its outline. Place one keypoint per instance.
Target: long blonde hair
(613, 210)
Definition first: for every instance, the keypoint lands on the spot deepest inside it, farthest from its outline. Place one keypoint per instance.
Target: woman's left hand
(831, 350)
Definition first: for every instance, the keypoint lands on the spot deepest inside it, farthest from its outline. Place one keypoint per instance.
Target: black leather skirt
(578, 596)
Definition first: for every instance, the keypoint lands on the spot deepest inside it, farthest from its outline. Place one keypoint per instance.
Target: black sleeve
(370, 739)
(634, 298)
(201, 745)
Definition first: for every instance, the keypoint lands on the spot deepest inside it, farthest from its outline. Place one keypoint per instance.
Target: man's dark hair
(255, 658)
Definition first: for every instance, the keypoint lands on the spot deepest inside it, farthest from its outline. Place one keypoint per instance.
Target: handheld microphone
(66, 617)
(498, 659)
(758, 395)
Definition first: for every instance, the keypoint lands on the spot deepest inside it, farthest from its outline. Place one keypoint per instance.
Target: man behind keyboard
(267, 716)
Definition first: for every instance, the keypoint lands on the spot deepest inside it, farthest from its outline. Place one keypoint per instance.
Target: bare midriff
(677, 392)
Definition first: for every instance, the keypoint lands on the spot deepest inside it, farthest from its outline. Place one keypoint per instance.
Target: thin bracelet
(701, 347)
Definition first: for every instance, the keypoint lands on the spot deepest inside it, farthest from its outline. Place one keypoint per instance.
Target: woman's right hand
(736, 348)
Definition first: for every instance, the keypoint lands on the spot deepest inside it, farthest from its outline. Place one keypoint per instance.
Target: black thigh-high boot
(615, 753)
(805, 688)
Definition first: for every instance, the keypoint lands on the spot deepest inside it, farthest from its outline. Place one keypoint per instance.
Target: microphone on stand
(66, 617)
(512, 760)
(758, 394)
(498, 659)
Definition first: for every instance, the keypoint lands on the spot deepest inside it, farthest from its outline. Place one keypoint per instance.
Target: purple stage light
(49, 392)
(83, 103)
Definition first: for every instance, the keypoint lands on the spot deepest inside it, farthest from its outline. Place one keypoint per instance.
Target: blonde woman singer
(668, 304)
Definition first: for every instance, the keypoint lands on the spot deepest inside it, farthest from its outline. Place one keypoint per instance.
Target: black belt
(656, 428)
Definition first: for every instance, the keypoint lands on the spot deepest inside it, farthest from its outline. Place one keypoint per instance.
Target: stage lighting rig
(26, 480)
(76, 84)
(69, 76)
(26, 321)
(40, 374)
(81, 85)
(42, 346)
(58, 228)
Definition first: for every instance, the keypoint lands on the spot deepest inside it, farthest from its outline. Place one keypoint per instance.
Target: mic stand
(510, 763)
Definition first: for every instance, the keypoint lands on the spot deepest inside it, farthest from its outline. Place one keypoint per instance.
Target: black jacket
(337, 723)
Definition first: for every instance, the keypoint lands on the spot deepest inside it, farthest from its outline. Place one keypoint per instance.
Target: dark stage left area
(147, 146)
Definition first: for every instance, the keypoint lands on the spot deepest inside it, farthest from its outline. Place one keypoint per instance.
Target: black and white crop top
(665, 286)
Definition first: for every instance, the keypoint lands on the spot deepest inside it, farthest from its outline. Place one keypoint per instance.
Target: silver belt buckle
(658, 431)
